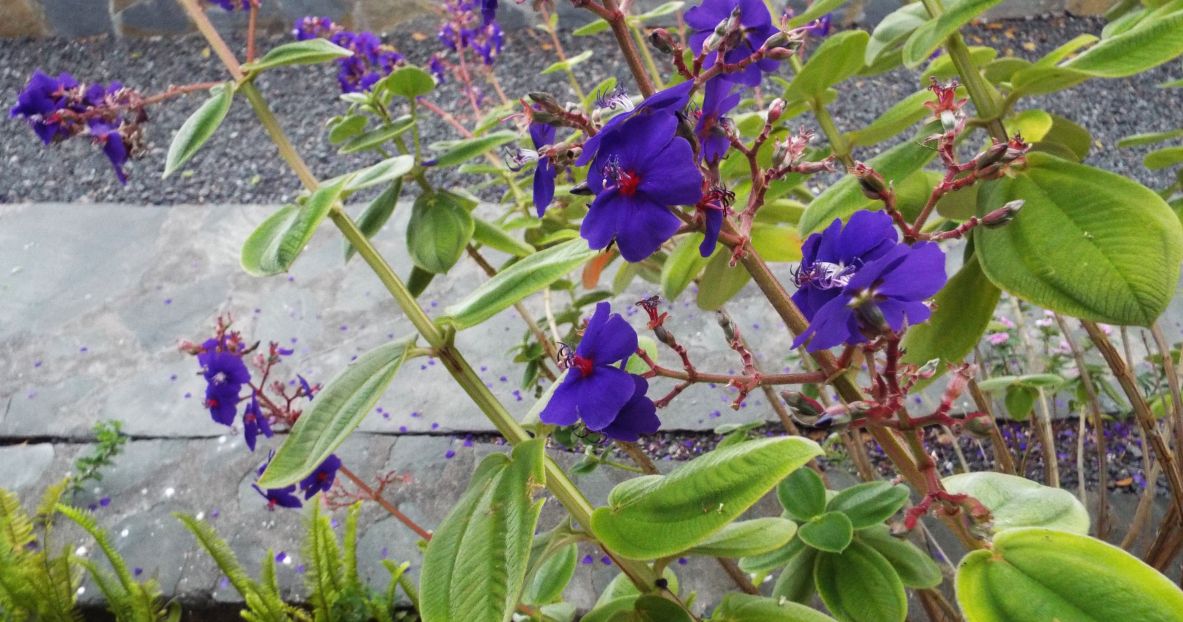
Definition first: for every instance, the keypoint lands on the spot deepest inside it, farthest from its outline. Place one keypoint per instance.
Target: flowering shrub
(695, 176)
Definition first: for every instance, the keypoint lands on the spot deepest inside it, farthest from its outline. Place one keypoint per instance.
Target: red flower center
(584, 365)
(627, 183)
(211, 403)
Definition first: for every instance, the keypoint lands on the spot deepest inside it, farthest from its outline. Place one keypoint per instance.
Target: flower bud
(726, 324)
(780, 53)
(979, 426)
(779, 39)
(1002, 215)
(870, 315)
(833, 420)
(802, 405)
(929, 369)
(581, 189)
(726, 30)
(871, 182)
(661, 40)
(991, 155)
(775, 109)
(544, 99)
(948, 120)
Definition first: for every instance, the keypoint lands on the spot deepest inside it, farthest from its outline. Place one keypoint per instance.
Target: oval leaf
(1035, 575)
(802, 494)
(879, 596)
(491, 235)
(697, 499)
(831, 532)
(750, 537)
(383, 172)
(308, 52)
(337, 410)
(199, 127)
(915, 568)
(1087, 243)
(514, 283)
(682, 266)
(893, 30)
(767, 562)
(564, 65)
(1149, 44)
(378, 136)
(475, 566)
(1162, 158)
(376, 214)
(795, 582)
(408, 81)
(438, 231)
(275, 244)
(1019, 502)
(836, 59)
(460, 151)
(933, 33)
(869, 503)
(963, 310)
(748, 608)
(720, 282)
(552, 576)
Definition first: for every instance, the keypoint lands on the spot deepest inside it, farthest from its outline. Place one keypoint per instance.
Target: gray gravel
(239, 166)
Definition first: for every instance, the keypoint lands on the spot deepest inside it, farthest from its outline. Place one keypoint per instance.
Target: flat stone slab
(98, 296)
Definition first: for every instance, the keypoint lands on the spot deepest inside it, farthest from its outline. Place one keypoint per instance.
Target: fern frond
(221, 553)
(86, 521)
(55, 581)
(117, 597)
(47, 508)
(396, 572)
(323, 577)
(16, 528)
(351, 579)
(268, 582)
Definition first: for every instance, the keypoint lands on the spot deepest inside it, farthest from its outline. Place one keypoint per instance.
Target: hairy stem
(1095, 410)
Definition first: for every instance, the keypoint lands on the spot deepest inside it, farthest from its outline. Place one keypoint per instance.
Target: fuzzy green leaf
(199, 127)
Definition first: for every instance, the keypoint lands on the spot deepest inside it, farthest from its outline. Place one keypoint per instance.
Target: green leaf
(748, 608)
(802, 494)
(845, 198)
(815, 10)
(593, 28)
(491, 235)
(475, 565)
(308, 52)
(775, 243)
(335, 413)
(530, 275)
(668, 8)
(408, 81)
(1020, 400)
(418, 280)
(1088, 243)
(744, 538)
(1019, 502)
(438, 231)
(767, 562)
(893, 30)
(915, 568)
(720, 282)
(460, 151)
(942, 67)
(1041, 80)
(342, 129)
(836, 59)
(795, 582)
(564, 65)
(682, 266)
(275, 244)
(697, 499)
(1149, 44)
(963, 310)
(1035, 575)
(376, 214)
(383, 172)
(1064, 51)
(1162, 158)
(869, 503)
(927, 38)
(1069, 134)
(831, 532)
(378, 136)
(199, 127)
(1138, 140)
(880, 594)
(901, 116)
(552, 577)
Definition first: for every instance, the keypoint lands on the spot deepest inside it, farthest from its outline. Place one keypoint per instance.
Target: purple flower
(314, 28)
(462, 28)
(756, 27)
(820, 27)
(321, 480)
(437, 68)
(254, 422)
(113, 146)
(305, 387)
(39, 102)
(282, 497)
(666, 103)
(719, 97)
(488, 11)
(637, 417)
(595, 388)
(639, 172)
(225, 373)
(372, 60)
(858, 280)
(542, 134)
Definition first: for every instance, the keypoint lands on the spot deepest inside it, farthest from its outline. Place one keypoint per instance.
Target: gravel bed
(239, 165)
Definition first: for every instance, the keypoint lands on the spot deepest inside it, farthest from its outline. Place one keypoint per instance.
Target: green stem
(646, 54)
(836, 138)
(985, 97)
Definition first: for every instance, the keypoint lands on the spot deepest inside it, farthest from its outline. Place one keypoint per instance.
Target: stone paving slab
(96, 298)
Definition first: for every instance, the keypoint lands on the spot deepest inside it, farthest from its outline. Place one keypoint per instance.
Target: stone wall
(88, 18)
